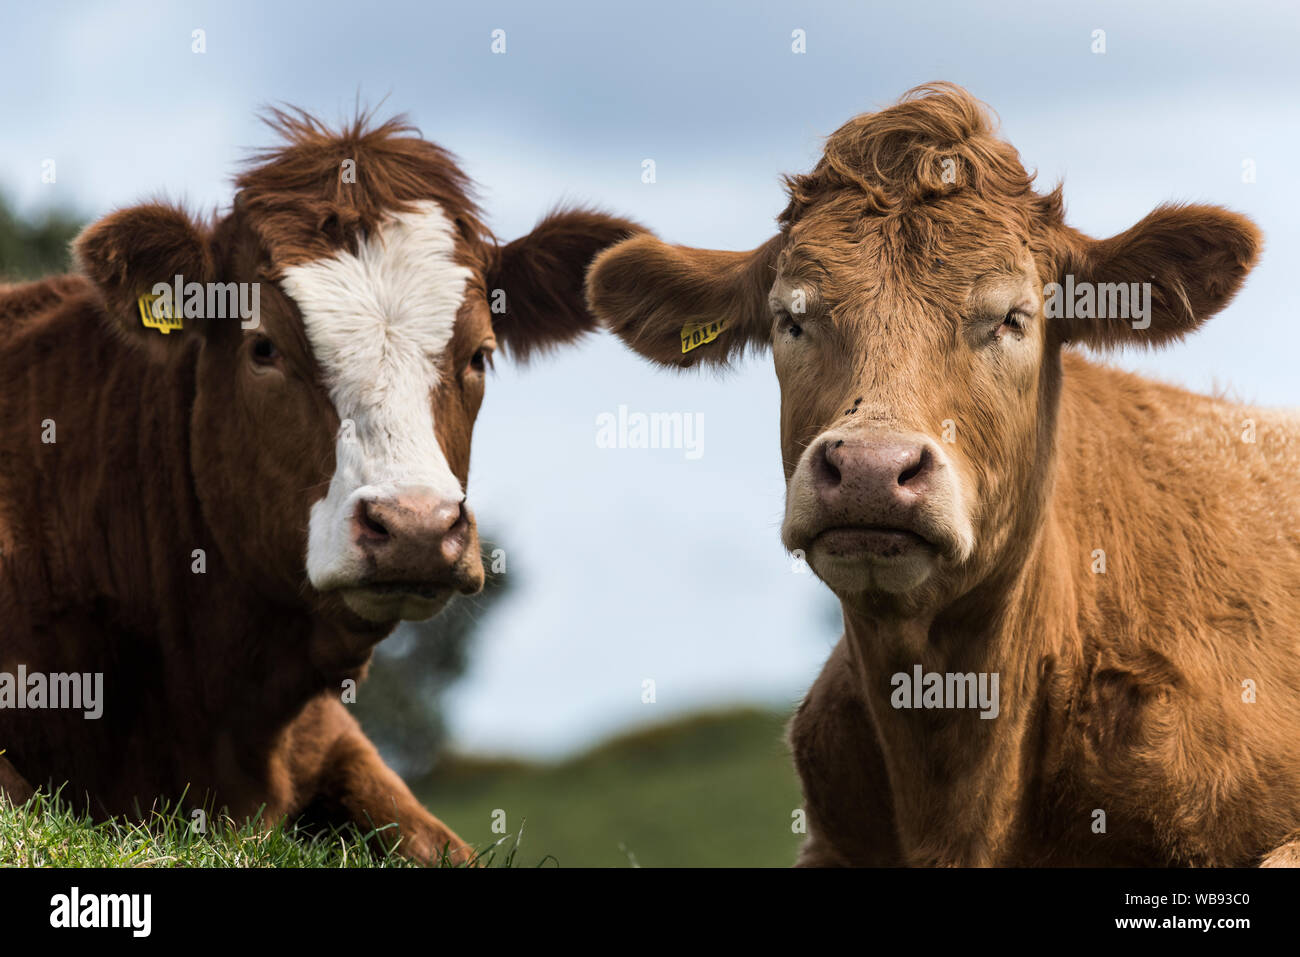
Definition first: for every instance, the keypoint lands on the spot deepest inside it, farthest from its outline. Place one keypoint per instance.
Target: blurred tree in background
(31, 248)
(400, 703)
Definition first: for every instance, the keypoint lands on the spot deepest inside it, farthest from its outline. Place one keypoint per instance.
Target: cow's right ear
(129, 253)
(676, 305)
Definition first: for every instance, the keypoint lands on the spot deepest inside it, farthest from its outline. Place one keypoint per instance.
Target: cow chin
(899, 575)
(380, 602)
(386, 606)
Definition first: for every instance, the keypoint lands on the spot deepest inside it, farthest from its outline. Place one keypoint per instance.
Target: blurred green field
(714, 790)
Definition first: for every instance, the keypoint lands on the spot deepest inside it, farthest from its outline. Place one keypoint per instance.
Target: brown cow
(1070, 594)
(222, 519)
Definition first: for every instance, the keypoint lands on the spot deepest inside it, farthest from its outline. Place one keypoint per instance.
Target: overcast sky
(643, 564)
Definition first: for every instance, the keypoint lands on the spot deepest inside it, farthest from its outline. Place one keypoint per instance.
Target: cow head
(330, 433)
(915, 304)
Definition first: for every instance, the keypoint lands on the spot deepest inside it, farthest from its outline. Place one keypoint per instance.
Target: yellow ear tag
(155, 316)
(696, 334)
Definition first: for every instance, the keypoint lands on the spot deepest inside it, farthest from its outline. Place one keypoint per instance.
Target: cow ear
(1153, 283)
(534, 286)
(129, 253)
(676, 305)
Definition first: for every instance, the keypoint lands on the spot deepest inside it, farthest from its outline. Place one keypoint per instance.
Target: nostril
(917, 469)
(370, 523)
(828, 474)
(454, 540)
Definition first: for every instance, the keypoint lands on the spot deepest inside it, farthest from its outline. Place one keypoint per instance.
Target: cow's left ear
(1164, 277)
(130, 252)
(535, 283)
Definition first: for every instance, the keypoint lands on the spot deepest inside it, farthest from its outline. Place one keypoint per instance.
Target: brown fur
(1120, 692)
(224, 687)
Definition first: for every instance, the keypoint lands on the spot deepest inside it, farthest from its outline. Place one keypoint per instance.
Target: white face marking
(378, 323)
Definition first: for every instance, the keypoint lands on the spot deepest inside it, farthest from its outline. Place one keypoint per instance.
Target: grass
(47, 832)
(713, 790)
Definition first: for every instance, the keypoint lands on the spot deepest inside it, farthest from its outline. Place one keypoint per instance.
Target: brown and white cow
(224, 519)
(1122, 555)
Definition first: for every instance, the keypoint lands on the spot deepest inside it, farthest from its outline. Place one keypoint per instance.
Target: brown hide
(957, 473)
(159, 539)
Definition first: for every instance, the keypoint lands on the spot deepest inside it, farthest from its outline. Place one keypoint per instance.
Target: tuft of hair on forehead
(296, 197)
(937, 140)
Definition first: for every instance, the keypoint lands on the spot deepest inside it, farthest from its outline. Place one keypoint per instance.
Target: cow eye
(786, 322)
(264, 351)
(481, 359)
(1015, 320)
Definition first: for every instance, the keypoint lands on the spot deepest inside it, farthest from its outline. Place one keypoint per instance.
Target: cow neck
(1014, 624)
(985, 764)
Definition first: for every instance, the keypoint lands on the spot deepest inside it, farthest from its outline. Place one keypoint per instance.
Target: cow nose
(411, 536)
(889, 472)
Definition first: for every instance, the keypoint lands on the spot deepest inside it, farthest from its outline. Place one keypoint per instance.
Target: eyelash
(1015, 320)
